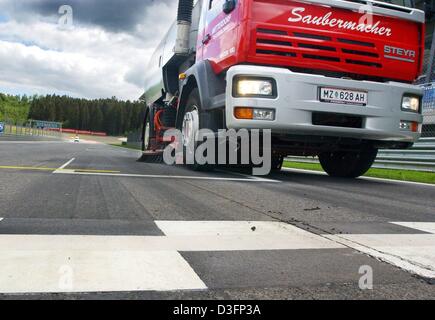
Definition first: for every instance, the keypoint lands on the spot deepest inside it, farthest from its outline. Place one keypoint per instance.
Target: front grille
(318, 57)
(310, 46)
(364, 63)
(356, 42)
(271, 31)
(361, 53)
(320, 53)
(316, 46)
(274, 42)
(310, 36)
(276, 53)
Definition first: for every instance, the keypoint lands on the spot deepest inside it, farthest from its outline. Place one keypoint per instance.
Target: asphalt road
(89, 221)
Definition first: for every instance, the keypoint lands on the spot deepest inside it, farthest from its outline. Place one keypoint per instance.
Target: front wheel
(277, 163)
(190, 129)
(348, 164)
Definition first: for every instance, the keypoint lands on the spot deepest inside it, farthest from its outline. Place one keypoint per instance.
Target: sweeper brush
(152, 157)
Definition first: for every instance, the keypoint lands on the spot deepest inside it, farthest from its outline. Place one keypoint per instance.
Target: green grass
(402, 175)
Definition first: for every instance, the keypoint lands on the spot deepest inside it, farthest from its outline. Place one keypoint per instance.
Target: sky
(103, 53)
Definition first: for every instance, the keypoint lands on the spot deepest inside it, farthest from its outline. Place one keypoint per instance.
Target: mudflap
(152, 157)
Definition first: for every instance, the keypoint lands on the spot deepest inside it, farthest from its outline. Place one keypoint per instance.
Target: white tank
(177, 45)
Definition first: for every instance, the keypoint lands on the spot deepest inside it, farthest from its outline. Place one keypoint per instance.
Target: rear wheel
(146, 142)
(348, 164)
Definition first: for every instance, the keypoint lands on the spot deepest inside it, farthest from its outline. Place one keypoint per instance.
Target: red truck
(330, 78)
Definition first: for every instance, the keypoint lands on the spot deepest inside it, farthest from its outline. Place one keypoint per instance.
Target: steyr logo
(399, 54)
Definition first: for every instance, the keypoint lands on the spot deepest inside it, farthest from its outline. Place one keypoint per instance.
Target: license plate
(343, 96)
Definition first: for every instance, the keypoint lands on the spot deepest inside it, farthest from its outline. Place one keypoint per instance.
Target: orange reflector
(414, 127)
(244, 113)
(182, 76)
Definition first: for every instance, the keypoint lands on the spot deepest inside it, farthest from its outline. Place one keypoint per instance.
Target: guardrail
(421, 157)
(25, 130)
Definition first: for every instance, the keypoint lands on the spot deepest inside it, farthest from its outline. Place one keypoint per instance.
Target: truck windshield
(403, 3)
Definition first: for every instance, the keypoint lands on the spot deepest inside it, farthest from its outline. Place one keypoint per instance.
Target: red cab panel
(306, 36)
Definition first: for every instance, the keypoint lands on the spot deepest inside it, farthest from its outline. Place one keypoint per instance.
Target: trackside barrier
(421, 157)
(90, 133)
(26, 129)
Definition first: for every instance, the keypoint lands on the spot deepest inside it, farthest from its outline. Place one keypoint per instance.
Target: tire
(348, 164)
(277, 162)
(190, 126)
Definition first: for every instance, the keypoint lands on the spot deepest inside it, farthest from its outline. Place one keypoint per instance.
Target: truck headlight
(254, 87)
(411, 103)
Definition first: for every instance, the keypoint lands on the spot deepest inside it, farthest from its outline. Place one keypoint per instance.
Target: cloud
(112, 15)
(98, 57)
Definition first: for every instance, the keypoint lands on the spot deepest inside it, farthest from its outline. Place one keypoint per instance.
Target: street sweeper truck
(329, 78)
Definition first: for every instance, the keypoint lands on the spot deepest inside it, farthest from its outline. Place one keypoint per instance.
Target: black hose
(185, 8)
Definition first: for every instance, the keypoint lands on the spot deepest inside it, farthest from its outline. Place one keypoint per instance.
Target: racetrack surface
(82, 220)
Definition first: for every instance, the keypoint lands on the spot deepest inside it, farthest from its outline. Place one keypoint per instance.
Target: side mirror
(229, 6)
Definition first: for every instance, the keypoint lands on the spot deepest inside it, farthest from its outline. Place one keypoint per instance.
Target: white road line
(71, 270)
(1, 219)
(428, 227)
(399, 181)
(152, 176)
(412, 252)
(319, 173)
(260, 179)
(251, 177)
(247, 176)
(240, 235)
(64, 166)
(39, 263)
(363, 178)
(229, 242)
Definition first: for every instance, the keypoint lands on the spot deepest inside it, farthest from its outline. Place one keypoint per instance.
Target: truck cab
(330, 78)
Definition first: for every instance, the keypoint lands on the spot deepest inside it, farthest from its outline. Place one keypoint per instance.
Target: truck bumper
(298, 99)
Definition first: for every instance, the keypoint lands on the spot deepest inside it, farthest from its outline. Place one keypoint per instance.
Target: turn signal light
(409, 126)
(254, 114)
(244, 113)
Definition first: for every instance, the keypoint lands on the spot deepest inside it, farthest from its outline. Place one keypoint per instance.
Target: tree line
(112, 116)
(14, 108)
